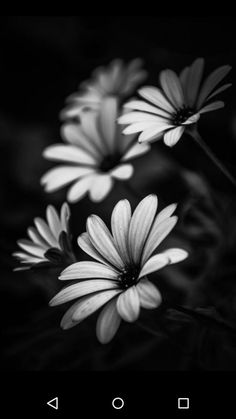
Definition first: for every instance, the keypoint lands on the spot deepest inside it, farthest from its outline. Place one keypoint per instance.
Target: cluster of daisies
(104, 129)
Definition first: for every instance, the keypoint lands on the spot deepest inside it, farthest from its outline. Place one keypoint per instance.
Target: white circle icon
(118, 403)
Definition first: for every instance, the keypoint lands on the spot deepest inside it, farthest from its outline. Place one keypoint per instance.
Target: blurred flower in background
(95, 155)
(178, 104)
(124, 261)
(116, 79)
(48, 241)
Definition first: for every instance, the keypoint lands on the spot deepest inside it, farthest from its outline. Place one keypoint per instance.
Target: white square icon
(183, 402)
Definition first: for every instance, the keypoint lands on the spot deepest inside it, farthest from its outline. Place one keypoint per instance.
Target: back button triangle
(53, 403)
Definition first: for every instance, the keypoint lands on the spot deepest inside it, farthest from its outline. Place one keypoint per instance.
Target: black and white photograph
(118, 193)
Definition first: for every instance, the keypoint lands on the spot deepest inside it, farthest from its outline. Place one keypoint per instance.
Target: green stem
(196, 136)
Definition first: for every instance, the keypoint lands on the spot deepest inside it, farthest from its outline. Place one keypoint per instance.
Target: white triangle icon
(53, 403)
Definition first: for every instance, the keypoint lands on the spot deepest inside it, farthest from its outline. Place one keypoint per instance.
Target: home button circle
(118, 403)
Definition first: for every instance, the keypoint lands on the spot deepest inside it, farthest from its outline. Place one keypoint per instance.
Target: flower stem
(154, 333)
(173, 341)
(196, 136)
(148, 329)
(201, 316)
(192, 313)
(133, 192)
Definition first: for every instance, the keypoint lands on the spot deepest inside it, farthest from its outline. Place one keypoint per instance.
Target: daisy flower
(95, 155)
(48, 241)
(117, 282)
(178, 104)
(116, 79)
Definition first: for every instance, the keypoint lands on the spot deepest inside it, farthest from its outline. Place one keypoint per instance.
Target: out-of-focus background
(43, 60)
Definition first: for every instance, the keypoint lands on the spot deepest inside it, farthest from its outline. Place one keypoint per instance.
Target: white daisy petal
(89, 124)
(165, 213)
(140, 105)
(212, 106)
(124, 142)
(80, 188)
(183, 77)
(74, 108)
(32, 248)
(134, 65)
(68, 153)
(192, 119)
(120, 221)
(26, 257)
(171, 85)
(140, 225)
(134, 80)
(159, 231)
(128, 304)
(81, 289)
(154, 132)
(61, 176)
(117, 79)
(86, 245)
(43, 237)
(65, 216)
(149, 295)
(193, 82)
(66, 321)
(135, 151)
(141, 117)
(30, 260)
(103, 241)
(78, 101)
(107, 120)
(122, 172)
(53, 221)
(25, 268)
(84, 270)
(116, 67)
(175, 255)
(73, 134)
(172, 136)
(108, 322)
(89, 305)
(217, 91)
(36, 238)
(45, 232)
(134, 69)
(155, 263)
(19, 255)
(107, 77)
(155, 96)
(100, 188)
(211, 82)
(144, 126)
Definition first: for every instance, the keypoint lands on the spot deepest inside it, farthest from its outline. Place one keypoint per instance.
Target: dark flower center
(129, 277)
(109, 162)
(182, 115)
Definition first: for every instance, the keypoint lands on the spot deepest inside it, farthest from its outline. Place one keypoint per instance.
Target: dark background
(43, 60)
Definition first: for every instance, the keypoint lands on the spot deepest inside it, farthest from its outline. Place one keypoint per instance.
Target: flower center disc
(182, 115)
(129, 277)
(109, 162)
